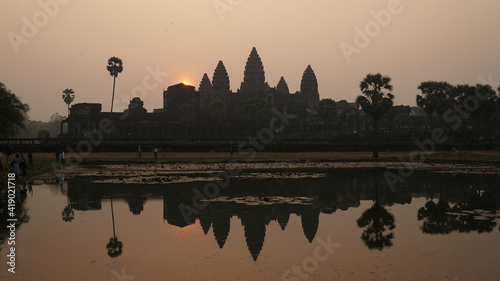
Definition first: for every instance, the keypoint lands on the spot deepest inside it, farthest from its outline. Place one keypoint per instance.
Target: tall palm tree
(68, 96)
(376, 100)
(115, 66)
(328, 112)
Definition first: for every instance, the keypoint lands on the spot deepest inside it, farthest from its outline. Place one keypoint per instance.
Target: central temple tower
(254, 80)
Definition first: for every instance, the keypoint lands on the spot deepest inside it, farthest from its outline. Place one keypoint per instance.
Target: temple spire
(220, 82)
(206, 92)
(254, 76)
(309, 86)
(282, 87)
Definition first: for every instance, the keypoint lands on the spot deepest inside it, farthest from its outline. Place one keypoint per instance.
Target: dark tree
(376, 100)
(13, 113)
(187, 115)
(218, 113)
(43, 134)
(328, 112)
(68, 96)
(255, 111)
(436, 97)
(115, 66)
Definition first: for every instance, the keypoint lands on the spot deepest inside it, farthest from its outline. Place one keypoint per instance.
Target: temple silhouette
(136, 121)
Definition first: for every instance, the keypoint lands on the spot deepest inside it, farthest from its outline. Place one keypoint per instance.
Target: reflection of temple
(337, 191)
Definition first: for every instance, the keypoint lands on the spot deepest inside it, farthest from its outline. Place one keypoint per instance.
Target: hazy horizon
(51, 45)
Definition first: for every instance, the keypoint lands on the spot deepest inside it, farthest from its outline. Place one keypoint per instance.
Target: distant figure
(1, 156)
(63, 157)
(15, 166)
(57, 157)
(139, 150)
(156, 153)
(22, 164)
(30, 155)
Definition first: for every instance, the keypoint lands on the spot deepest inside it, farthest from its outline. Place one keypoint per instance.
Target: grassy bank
(478, 155)
(40, 167)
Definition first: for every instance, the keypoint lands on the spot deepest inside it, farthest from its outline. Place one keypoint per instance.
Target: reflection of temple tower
(255, 232)
(310, 222)
(136, 202)
(283, 218)
(220, 82)
(254, 80)
(309, 87)
(206, 92)
(172, 211)
(205, 222)
(220, 225)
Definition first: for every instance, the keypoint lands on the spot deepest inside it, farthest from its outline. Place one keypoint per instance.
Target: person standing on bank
(15, 166)
(63, 157)
(22, 164)
(57, 157)
(156, 153)
(139, 150)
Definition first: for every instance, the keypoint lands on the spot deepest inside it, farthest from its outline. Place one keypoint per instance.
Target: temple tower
(254, 77)
(220, 82)
(206, 92)
(309, 87)
(282, 87)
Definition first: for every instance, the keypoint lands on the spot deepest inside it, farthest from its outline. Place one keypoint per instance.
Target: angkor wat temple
(136, 122)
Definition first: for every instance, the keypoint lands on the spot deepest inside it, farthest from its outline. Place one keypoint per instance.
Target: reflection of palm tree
(114, 246)
(378, 224)
(68, 214)
(436, 221)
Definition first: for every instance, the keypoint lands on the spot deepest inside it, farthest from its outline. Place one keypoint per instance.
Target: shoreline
(110, 164)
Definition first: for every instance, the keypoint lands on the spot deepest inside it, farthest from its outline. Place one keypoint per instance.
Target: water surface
(434, 226)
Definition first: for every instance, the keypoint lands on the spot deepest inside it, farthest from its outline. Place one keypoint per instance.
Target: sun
(185, 83)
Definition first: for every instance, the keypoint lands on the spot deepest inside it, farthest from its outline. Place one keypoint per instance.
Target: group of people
(139, 155)
(60, 157)
(18, 163)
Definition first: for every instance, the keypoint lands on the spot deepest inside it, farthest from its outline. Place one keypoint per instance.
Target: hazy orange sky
(51, 45)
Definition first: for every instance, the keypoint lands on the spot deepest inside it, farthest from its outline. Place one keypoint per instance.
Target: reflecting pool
(345, 225)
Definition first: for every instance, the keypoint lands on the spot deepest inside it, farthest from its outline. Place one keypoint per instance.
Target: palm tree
(376, 100)
(68, 97)
(218, 112)
(115, 66)
(114, 246)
